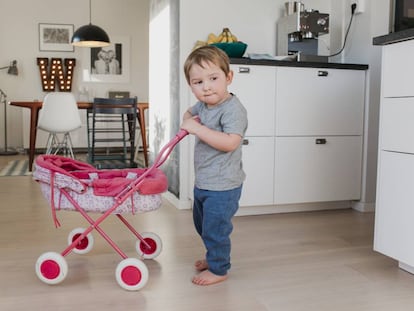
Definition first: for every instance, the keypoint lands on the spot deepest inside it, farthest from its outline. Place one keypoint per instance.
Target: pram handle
(168, 148)
(165, 152)
(159, 160)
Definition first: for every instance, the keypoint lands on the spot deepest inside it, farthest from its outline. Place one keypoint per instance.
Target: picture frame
(110, 64)
(55, 37)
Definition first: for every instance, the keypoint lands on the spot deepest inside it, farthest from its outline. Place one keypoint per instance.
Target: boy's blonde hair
(207, 54)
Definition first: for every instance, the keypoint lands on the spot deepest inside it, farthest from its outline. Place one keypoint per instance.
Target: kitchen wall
(19, 40)
(373, 22)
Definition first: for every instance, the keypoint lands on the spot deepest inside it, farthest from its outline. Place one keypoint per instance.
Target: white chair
(59, 115)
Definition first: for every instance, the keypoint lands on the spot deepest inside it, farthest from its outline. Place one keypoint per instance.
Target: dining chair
(111, 132)
(59, 116)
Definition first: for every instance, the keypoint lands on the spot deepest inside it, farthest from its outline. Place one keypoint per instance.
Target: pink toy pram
(69, 184)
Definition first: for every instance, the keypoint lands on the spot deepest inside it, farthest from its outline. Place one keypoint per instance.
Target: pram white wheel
(85, 245)
(155, 243)
(131, 274)
(51, 268)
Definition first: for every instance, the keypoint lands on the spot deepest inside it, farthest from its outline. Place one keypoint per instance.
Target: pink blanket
(103, 182)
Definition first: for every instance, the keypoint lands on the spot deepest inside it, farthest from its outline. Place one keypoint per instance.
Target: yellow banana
(212, 38)
(229, 37)
(224, 37)
(199, 44)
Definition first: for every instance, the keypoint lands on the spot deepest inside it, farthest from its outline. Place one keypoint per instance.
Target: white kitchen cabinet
(258, 163)
(317, 169)
(319, 128)
(397, 70)
(255, 87)
(318, 101)
(394, 230)
(305, 133)
(394, 212)
(303, 146)
(397, 126)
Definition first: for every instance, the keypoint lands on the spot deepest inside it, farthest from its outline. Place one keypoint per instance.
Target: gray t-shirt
(217, 170)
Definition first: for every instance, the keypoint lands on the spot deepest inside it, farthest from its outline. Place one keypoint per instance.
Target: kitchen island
(394, 217)
(303, 149)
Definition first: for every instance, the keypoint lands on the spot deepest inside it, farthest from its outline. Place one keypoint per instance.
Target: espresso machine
(298, 32)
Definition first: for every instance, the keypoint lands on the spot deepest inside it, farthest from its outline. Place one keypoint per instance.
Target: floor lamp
(12, 70)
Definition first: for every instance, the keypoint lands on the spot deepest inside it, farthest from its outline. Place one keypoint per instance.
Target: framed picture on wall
(108, 64)
(55, 37)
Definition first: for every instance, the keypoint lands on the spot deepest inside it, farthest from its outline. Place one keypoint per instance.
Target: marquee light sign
(54, 73)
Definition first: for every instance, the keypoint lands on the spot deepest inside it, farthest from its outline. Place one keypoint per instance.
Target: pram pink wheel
(131, 274)
(152, 246)
(51, 268)
(84, 245)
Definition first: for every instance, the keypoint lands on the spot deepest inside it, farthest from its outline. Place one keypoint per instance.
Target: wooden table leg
(34, 115)
(141, 121)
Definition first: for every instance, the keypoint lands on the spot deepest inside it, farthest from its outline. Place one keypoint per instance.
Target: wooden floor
(298, 261)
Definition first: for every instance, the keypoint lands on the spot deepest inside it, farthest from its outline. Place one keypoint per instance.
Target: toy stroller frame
(131, 273)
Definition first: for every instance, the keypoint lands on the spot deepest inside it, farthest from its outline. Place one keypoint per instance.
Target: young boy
(219, 122)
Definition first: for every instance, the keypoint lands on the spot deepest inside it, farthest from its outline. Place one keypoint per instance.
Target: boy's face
(209, 84)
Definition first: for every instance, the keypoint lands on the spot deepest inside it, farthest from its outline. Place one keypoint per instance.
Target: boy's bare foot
(208, 278)
(201, 265)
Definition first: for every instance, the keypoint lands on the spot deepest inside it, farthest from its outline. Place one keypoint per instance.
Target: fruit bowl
(233, 49)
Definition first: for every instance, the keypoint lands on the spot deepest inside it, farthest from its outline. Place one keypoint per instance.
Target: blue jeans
(212, 214)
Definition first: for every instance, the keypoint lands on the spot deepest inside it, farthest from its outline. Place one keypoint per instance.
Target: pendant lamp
(90, 35)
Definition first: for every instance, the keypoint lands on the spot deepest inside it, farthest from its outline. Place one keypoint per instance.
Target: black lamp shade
(90, 36)
(13, 69)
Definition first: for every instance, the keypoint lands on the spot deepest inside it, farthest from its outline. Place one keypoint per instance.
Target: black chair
(111, 127)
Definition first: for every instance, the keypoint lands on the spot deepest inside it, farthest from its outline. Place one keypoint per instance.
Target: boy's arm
(218, 140)
(187, 114)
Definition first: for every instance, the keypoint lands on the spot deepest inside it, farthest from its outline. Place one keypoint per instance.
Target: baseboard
(291, 208)
(176, 202)
(363, 207)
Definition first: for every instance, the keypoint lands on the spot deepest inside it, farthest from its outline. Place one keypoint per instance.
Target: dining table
(35, 107)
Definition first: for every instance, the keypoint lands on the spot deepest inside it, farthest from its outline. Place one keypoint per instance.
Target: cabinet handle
(322, 73)
(320, 141)
(244, 70)
(245, 142)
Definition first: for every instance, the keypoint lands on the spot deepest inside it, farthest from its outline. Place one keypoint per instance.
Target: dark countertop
(285, 63)
(394, 37)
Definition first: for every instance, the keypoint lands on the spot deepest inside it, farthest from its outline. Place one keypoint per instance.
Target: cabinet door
(312, 101)
(397, 69)
(394, 211)
(397, 126)
(258, 159)
(255, 87)
(311, 169)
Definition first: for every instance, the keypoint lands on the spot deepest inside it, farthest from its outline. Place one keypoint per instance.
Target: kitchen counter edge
(281, 63)
(394, 37)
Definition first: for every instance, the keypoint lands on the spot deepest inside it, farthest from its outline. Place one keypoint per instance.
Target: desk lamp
(11, 70)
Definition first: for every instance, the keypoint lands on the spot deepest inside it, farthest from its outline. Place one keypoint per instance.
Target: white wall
(372, 23)
(19, 40)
